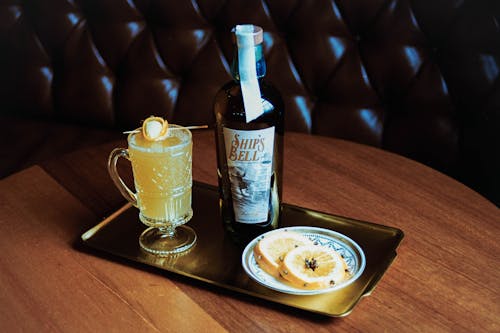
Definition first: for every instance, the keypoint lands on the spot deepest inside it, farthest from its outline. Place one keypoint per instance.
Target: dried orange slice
(271, 249)
(155, 128)
(313, 267)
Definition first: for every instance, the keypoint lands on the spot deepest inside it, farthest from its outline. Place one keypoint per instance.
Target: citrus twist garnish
(155, 128)
(313, 267)
(270, 251)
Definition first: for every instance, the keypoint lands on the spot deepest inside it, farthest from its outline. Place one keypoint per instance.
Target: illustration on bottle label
(250, 164)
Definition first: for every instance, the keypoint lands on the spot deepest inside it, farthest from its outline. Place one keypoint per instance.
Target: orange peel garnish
(155, 128)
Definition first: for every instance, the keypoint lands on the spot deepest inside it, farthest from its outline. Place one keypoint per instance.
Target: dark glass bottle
(249, 154)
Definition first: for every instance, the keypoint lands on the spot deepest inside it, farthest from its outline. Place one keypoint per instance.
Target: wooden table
(445, 277)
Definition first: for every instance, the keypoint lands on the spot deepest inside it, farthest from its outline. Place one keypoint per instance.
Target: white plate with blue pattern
(345, 246)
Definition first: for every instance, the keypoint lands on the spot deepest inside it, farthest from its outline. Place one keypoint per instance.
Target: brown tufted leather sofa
(416, 77)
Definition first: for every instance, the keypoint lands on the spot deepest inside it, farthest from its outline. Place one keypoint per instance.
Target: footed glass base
(166, 241)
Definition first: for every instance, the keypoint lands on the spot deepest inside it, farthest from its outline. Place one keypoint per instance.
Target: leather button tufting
(415, 77)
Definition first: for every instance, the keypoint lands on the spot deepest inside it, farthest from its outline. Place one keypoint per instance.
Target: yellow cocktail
(162, 176)
(161, 158)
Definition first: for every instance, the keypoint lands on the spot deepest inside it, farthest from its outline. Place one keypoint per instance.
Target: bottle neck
(260, 63)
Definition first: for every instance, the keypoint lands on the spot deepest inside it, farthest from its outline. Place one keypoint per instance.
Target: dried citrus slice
(155, 128)
(272, 248)
(313, 267)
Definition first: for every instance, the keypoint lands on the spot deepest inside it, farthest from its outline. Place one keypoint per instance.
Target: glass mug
(162, 173)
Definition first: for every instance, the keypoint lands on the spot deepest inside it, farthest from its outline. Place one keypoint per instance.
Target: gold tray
(215, 259)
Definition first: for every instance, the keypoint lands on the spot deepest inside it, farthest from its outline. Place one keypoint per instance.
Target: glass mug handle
(113, 172)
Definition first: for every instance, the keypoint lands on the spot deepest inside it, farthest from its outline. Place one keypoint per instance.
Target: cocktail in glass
(162, 173)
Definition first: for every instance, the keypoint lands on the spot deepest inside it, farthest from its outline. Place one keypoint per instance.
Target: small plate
(346, 247)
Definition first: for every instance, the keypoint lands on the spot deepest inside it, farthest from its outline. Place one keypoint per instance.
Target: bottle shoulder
(268, 90)
(229, 106)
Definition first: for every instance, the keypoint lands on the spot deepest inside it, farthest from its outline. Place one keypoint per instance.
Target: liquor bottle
(249, 135)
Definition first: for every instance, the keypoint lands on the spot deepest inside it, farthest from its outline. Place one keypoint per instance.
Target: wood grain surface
(444, 279)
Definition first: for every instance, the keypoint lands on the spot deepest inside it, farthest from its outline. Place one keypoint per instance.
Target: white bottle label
(250, 166)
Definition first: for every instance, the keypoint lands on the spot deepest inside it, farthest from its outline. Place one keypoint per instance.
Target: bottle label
(250, 165)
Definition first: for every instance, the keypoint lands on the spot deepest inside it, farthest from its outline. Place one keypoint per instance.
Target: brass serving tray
(215, 259)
